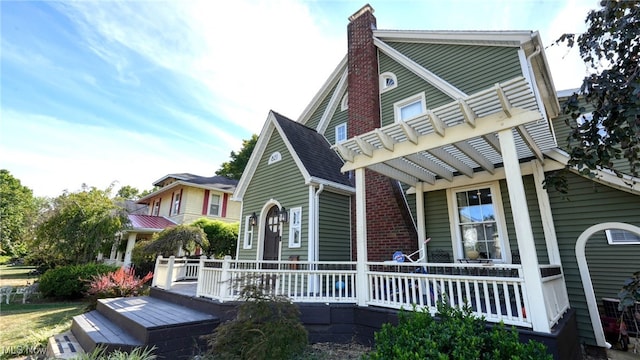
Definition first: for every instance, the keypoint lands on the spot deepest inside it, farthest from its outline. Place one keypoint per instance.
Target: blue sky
(100, 91)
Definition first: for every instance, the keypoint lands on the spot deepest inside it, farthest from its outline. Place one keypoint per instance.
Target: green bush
(72, 281)
(456, 335)
(266, 327)
(222, 236)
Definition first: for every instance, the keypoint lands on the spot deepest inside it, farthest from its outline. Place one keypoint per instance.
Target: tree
(235, 167)
(611, 49)
(170, 240)
(18, 212)
(128, 192)
(80, 225)
(222, 236)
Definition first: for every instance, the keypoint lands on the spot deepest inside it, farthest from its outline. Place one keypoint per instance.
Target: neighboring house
(447, 135)
(180, 199)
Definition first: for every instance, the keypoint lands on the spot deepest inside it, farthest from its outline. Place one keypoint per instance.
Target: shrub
(100, 353)
(120, 283)
(70, 282)
(265, 327)
(222, 236)
(456, 335)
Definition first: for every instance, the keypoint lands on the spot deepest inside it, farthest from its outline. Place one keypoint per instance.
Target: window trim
(612, 241)
(293, 226)
(383, 81)
(501, 224)
(177, 197)
(398, 105)
(155, 210)
(211, 202)
(335, 135)
(344, 103)
(248, 233)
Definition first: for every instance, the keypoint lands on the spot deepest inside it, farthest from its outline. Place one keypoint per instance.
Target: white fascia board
(348, 190)
(605, 177)
(181, 183)
(541, 69)
(254, 160)
(499, 38)
(333, 103)
(324, 90)
(143, 230)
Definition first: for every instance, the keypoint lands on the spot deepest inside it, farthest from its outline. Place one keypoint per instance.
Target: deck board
(101, 330)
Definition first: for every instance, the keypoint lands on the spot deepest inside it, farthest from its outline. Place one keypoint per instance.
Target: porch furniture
(475, 261)
(631, 315)
(27, 291)
(6, 291)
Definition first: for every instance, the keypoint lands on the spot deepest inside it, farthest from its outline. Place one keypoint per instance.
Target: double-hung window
(295, 227)
(248, 233)
(479, 222)
(214, 205)
(175, 207)
(156, 207)
(341, 132)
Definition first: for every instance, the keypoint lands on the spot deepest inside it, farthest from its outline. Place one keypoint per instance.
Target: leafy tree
(79, 225)
(128, 192)
(168, 241)
(18, 212)
(235, 167)
(148, 191)
(610, 47)
(222, 236)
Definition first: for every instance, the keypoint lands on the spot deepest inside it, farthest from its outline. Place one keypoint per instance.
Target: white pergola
(483, 133)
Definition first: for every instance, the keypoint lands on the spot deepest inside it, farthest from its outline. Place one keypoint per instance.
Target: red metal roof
(150, 222)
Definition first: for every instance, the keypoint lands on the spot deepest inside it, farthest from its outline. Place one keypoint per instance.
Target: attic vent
(388, 81)
(274, 158)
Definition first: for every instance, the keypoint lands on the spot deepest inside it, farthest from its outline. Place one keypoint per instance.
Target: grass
(18, 275)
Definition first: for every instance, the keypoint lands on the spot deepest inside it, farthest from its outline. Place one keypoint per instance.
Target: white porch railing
(169, 270)
(555, 294)
(495, 291)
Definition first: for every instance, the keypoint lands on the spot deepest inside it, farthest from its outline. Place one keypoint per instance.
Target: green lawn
(16, 275)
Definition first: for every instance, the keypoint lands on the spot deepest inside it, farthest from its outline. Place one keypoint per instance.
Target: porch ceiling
(456, 139)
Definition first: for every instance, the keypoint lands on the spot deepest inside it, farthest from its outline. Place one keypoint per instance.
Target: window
(341, 132)
(156, 208)
(295, 227)
(478, 219)
(344, 104)
(214, 205)
(620, 237)
(175, 208)
(248, 233)
(388, 81)
(410, 108)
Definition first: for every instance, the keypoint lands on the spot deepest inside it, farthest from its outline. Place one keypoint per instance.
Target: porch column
(131, 241)
(546, 214)
(362, 288)
(422, 234)
(524, 233)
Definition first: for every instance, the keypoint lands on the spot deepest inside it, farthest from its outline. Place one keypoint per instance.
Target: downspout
(532, 76)
(316, 221)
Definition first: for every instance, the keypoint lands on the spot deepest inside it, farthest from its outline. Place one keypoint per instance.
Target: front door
(271, 235)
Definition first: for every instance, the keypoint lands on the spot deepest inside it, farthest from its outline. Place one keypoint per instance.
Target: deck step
(92, 329)
(63, 346)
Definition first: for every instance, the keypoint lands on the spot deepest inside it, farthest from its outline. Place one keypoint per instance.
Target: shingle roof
(314, 151)
(221, 182)
(150, 222)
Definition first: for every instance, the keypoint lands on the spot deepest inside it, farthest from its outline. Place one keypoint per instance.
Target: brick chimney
(389, 226)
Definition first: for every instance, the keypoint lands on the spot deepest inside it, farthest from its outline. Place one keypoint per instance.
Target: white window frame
(340, 126)
(384, 77)
(175, 204)
(399, 105)
(211, 203)
(344, 103)
(613, 239)
(248, 233)
(155, 211)
(295, 225)
(501, 225)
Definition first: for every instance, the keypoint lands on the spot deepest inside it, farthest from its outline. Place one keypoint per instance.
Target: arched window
(388, 81)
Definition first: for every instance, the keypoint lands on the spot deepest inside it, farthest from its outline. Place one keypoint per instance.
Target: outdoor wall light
(284, 215)
(253, 219)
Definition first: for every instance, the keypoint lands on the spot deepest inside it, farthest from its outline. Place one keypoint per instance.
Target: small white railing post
(225, 278)
(169, 279)
(154, 281)
(201, 276)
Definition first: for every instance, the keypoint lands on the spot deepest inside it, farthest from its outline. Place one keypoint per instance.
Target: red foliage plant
(120, 283)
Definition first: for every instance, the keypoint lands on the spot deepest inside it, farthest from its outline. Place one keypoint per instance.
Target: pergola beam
(412, 170)
(431, 165)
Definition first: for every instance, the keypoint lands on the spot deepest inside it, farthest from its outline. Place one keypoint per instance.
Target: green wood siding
(534, 217)
(409, 84)
(588, 203)
(283, 182)
(314, 119)
(437, 222)
(339, 117)
(335, 227)
(469, 68)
